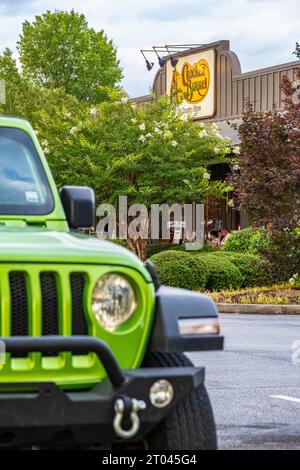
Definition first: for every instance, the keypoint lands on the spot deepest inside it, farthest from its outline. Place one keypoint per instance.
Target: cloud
(262, 32)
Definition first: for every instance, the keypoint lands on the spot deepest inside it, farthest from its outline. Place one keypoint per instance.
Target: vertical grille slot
(19, 306)
(50, 315)
(79, 323)
(49, 304)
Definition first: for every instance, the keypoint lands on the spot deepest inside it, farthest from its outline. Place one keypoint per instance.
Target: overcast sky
(262, 32)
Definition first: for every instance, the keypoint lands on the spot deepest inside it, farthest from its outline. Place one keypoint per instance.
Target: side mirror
(79, 205)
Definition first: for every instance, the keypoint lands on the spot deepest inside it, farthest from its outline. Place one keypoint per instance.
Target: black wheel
(191, 425)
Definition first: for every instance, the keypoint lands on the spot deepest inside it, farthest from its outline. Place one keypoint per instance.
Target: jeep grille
(51, 308)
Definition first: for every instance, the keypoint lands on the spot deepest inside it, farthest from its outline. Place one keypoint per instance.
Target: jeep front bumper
(43, 414)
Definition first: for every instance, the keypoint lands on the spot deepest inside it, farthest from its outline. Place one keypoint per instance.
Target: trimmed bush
(247, 240)
(180, 269)
(155, 248)
(222, 274)
(252, 267)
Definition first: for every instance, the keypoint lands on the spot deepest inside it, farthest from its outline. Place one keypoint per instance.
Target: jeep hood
(32, 245)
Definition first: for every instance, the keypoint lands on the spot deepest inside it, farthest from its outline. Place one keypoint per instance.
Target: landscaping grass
(278, 294)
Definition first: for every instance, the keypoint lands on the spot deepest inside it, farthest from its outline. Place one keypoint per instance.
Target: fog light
(161, 393)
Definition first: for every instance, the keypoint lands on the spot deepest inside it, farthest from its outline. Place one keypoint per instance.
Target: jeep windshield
(24, 188)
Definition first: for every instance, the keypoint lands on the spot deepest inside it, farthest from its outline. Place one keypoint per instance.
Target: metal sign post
(2, 92)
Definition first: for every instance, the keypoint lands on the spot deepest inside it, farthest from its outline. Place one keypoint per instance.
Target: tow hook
(127, 408)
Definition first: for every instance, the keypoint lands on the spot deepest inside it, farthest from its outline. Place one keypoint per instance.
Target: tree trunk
(139, 247)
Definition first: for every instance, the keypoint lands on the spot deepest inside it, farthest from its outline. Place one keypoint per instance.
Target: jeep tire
(191, 425)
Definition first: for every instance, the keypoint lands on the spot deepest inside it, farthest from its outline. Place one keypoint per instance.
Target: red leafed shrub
(268, 181)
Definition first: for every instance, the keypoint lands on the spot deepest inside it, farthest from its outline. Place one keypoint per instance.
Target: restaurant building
(212, 88)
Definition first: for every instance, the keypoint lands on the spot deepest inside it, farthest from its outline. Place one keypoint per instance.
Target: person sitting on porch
(224, 234)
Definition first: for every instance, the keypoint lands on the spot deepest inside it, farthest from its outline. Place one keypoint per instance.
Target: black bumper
(42, 413)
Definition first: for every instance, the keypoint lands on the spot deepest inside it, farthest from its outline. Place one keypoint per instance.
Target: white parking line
(285, 397)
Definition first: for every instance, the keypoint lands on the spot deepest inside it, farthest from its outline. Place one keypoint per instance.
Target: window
(24, 189)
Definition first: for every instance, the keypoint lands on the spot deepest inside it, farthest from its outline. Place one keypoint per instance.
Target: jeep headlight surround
(113, 300)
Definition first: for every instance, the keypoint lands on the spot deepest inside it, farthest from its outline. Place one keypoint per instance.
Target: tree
(58, 49)
(267, 184)
(155, 156)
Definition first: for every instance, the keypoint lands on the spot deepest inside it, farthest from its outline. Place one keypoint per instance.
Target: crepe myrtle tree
(156, 155)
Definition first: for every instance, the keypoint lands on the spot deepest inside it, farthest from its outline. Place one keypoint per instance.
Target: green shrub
(252, 267)
(295, 281)
(155, 248)
(119, 241)
(247, 240)
(283, 254)
(222, 274)
(180, 269)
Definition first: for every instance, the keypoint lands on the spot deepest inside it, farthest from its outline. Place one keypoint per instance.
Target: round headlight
(113, 301)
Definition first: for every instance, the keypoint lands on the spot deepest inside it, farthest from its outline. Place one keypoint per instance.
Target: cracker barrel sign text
(192, 83)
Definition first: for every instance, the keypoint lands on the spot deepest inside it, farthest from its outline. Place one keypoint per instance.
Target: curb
(259, 309)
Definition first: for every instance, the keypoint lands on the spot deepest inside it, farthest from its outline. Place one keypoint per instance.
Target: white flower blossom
(133, 120)
(93, 113)
(45, 143)
(157, 130)
(124, 99)
(236, 150)
(206, 176)
(174, 143)
(142, 126)
(149, 135)
(216, 150)
(184, 117)
(73, 130)
(203, 133)
(68, 115)
(167, 134)
(46, 151)
(133, 106)
(142, 138)
(201, 125)
(36, 132)
(236, 167)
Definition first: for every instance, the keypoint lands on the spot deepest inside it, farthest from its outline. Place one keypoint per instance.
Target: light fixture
(198, 326)
(149, 64)
(174, 61)
(161, 60)
(161, 393)
(113, 301)
(170, 49)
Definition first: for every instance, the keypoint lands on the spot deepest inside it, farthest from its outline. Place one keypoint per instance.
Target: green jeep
(92, 344)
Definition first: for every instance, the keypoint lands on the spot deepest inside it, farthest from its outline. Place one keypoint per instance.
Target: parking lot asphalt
(254, 384)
